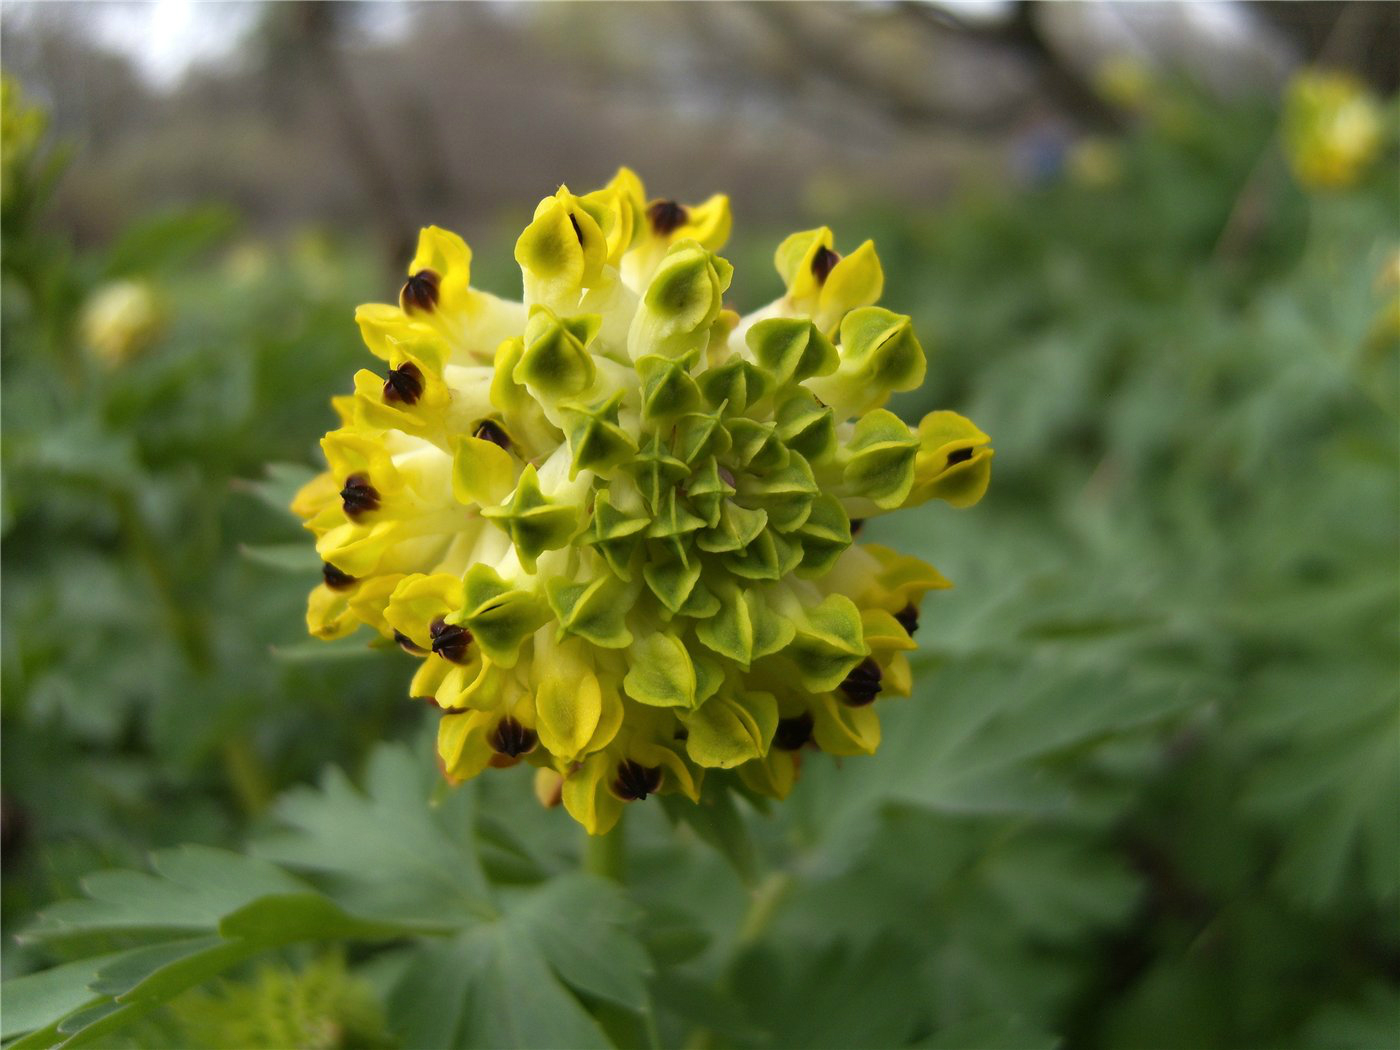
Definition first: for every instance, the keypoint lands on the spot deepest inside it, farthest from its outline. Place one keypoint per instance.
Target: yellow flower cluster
(614, 522)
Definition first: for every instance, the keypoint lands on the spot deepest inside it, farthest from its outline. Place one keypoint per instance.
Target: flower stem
(606, 854)
(764, 905)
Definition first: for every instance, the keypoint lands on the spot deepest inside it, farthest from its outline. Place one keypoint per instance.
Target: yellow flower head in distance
(121, 319)
(614, 522)
(1332, 129)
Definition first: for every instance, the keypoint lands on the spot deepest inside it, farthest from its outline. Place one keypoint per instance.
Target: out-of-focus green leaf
(192, 888)
(990, 1032)
(578, 922)
(285, 557)
(168, 241)
(386, 849)
(278, 485)
(719, 821)
(37, 999)
(235, 907)
(1371, 1021)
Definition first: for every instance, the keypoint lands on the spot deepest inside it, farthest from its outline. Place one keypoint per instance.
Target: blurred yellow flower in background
(1332, 129)
(1125, 81)
(1095, 162)
(121, 320)
(22, 129)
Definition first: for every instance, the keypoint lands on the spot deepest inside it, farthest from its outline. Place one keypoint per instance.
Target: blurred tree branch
(831, 56)
(1360, 35)
(1022, 35)
(306, 34)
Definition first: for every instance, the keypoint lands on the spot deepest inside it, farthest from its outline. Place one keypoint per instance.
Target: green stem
(763, 906)
(186, 622)
(765, 903)
(606, 855)
(246, 774)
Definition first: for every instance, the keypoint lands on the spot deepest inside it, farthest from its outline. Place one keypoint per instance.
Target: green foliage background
(1145, 794)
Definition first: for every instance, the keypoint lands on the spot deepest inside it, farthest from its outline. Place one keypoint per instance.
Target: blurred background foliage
(1146, 792)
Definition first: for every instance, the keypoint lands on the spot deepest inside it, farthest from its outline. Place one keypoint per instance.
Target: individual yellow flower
(1332, 129)
(121, 319)
(614, 521)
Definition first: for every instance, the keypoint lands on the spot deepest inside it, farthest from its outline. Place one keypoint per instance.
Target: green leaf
(278, 486)
(1369, 1022)
(247, 906)
(392, 855)
(839, 997)
(36, 999)
(1003, 1031)
(285, 557)
(578, 922)
(170, 240)
(194, 886)
(1332, 782)
(350, 648)
(505, 983)
(717, 820)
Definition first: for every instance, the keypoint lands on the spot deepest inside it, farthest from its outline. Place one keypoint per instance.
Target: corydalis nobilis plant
(614, 521)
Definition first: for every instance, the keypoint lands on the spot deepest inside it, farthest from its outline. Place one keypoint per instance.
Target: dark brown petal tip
(908, 618)
(490, 430)
(335, 579)
(512, 739)
(793, 733)
(861, 685)
(666, 217)
(856, 525)
(404, 384)
(408, 645)
(450, 641)
(420, 292)
(635, 781)
(577, 231)
(823, 263)
(959, 455)
(358, 497)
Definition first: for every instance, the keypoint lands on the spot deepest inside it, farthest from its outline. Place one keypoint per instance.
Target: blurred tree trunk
(1362, 35)
(302, 47)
